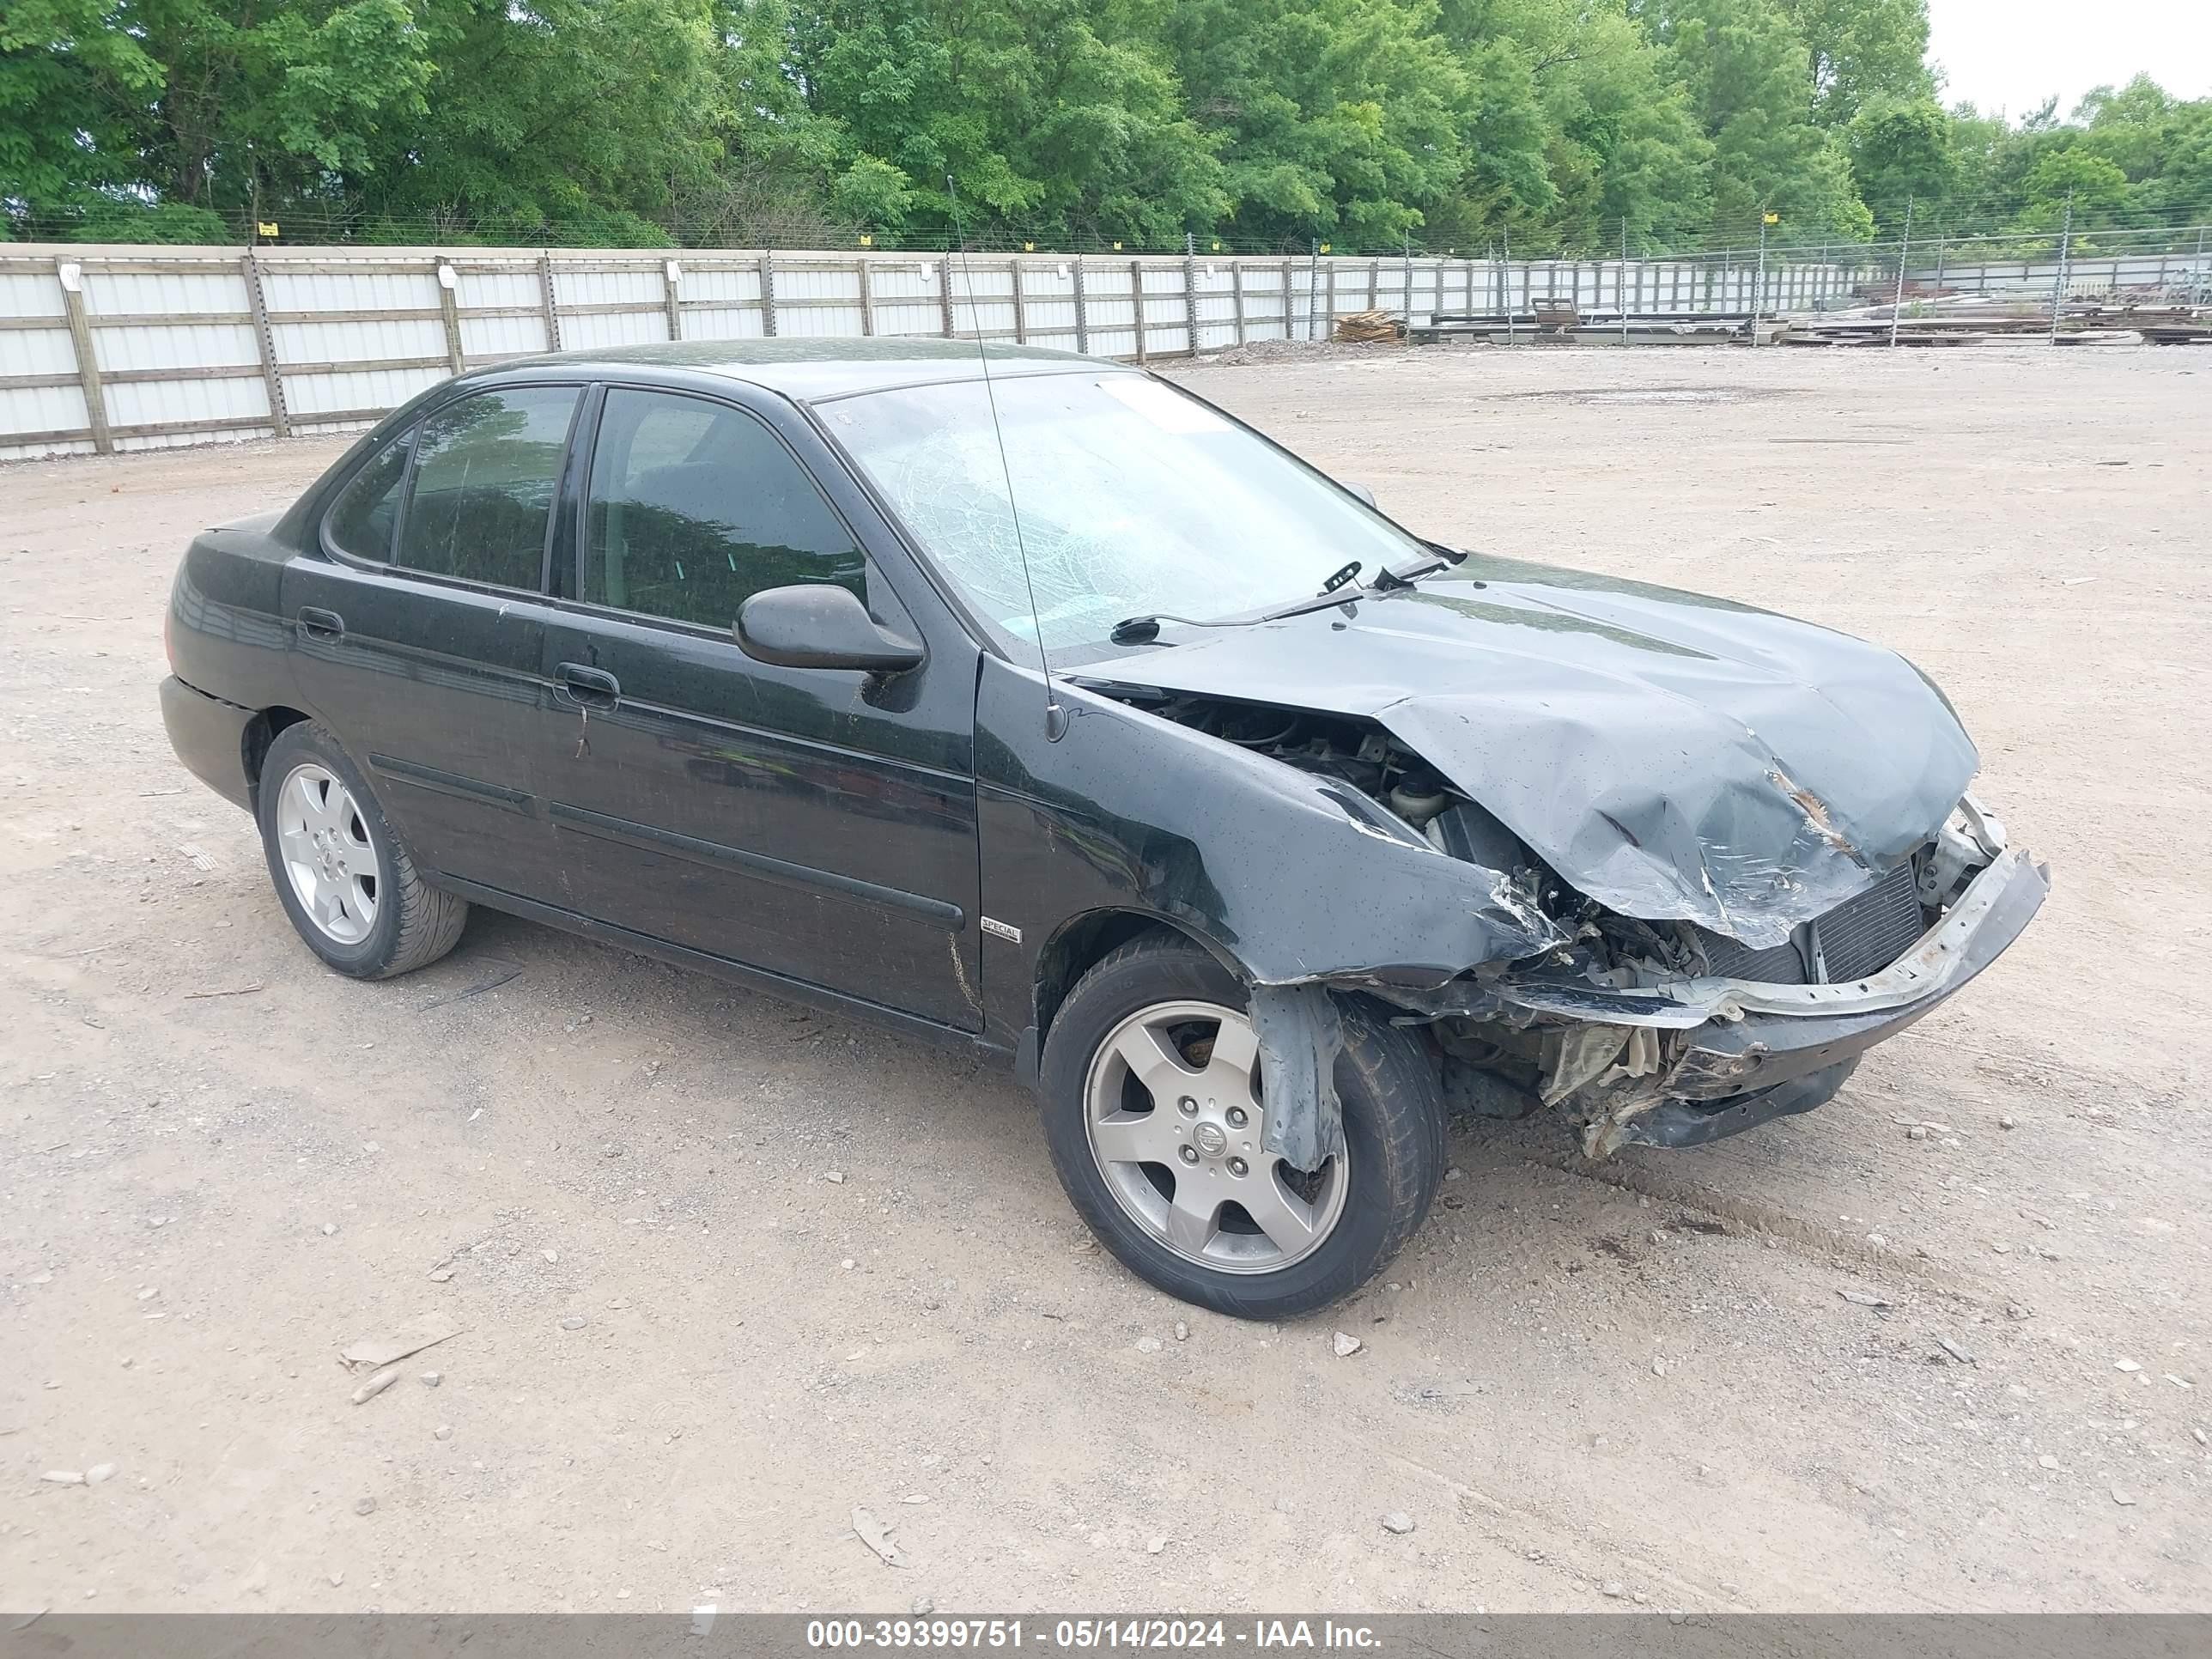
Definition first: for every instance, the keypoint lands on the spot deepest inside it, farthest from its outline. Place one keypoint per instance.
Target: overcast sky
(2013, 54)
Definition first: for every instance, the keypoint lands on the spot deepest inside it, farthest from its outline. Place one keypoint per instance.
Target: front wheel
(1155, 1112)
(340, 870)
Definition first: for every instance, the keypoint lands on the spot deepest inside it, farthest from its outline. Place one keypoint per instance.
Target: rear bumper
(210, 738)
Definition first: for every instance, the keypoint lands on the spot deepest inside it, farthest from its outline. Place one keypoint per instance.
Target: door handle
(318, 623)
(594, 687)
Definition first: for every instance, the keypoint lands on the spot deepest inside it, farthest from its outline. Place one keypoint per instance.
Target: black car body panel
(927, 847)
(1671, 756)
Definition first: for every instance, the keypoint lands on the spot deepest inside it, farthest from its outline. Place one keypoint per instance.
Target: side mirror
(817, 625)
(1360, 491)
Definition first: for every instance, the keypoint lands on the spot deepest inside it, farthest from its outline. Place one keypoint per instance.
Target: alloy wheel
(328, 853)
(1172, 1113)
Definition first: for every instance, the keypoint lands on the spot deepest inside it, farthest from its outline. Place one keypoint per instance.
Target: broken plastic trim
(1927, 970)
(1301, 1032)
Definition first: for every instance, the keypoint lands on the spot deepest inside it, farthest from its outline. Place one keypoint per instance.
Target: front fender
(1298, 880)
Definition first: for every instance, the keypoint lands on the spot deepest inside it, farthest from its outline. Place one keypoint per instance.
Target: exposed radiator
(1864, 935)
(1860, 936)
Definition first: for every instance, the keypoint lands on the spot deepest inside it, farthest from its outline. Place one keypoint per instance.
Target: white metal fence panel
(143, 346)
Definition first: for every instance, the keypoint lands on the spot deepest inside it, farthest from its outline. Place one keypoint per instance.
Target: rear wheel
(1155, 1110)
(340, 870)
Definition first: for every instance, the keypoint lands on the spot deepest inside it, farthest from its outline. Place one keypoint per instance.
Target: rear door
(419, 635)
(816, 823)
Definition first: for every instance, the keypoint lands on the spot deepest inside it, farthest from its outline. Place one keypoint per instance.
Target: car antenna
(1055, 717)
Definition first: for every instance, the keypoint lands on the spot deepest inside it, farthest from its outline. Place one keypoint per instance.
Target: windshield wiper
(1143, 630)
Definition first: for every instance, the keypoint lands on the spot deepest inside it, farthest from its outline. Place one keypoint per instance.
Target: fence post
(258, 303)
(449, 282)
(1290, 287)
(1904, 242)
(1190, 291)
(1081, 312)
(868, 294)
(546, 298)
(1137, 304)
(944, 292)
(767, 293)
(1331, 296)
(672, 274)
(1313, 287)
(1408, 296)
(1623, 284)
(1236, 296)
(71, 275)
(1374, 272)
(2065, 252)
(1505, 280)
(1021, 322)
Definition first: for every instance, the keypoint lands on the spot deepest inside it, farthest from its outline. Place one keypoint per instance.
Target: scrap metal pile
(1939, 319)
(1558, 321)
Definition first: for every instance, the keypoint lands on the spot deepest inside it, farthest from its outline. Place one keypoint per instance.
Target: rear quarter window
(362, 521)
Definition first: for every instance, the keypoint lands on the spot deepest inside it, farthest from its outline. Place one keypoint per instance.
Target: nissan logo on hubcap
(1210, 1138)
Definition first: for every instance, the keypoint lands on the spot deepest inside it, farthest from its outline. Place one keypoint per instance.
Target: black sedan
(1051, 711)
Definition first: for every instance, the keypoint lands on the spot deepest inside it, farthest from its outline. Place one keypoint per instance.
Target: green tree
(569, 113)
(2074, 173)
(1620, 144)
(1749, 79)
(1901, 153)
(1062, 116)
(75, 85)
(1349, 119)
(263, 101)
(1861, 52)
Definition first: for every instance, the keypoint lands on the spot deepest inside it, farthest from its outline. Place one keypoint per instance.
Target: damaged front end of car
(1665, 1034)
(1751, 942)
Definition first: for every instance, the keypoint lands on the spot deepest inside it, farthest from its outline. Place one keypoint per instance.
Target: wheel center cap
(1210, 1139)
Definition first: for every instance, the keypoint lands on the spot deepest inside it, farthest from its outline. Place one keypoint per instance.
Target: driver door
(815, 825)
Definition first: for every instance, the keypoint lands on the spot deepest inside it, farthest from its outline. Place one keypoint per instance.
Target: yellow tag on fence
(266, 227)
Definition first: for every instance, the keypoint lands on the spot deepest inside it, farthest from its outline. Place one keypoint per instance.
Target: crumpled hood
(1672, 757)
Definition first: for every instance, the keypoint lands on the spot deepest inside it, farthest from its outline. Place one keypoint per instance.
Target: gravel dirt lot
(727, 1270)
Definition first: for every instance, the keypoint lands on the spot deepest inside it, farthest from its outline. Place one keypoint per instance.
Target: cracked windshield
(1132, 497)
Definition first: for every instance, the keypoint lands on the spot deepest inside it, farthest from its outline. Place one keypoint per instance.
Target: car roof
(813, 369)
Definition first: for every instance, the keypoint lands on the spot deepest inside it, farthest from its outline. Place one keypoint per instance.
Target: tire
(371, 914)
(1350, 1219)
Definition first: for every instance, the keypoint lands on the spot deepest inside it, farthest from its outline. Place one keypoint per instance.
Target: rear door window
(486, 472)
(696, 507)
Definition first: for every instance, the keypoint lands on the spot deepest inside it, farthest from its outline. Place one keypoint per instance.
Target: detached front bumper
(1752, 1051)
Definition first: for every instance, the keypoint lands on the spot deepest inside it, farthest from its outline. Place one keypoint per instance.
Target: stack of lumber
(1364, 325)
